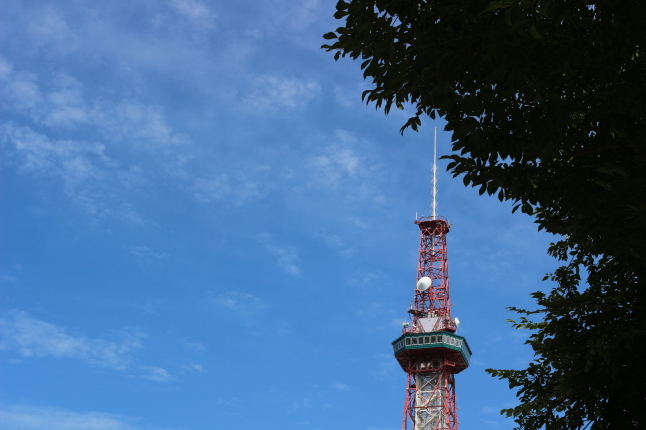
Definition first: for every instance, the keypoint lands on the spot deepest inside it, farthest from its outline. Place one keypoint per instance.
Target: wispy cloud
(236, 186)
(302, 403)
(196, 346)
(21, 417)
(64, 104)
(135, 143)
(82, 166)
(144, 125)
(74, 161)
(336, 163)
(207, 190)
(345, 162)
(195, 12)
(367, 280)
(335, 242)
(243, 303)
(193, 367)
(270, 93)
(145, 253)
(21, 90)
(50, 31)
(338, 159)
(31, 337)
(155, 373)
(340, 386)
(286, 255)
(61, 102)
(295, 15)
(304, 12)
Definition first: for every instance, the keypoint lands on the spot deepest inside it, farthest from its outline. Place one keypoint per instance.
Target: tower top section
(431, 310)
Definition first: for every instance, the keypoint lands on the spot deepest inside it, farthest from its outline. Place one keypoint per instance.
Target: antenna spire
(434, 191)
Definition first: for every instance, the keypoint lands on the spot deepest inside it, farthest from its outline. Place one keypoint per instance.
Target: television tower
(428, 349)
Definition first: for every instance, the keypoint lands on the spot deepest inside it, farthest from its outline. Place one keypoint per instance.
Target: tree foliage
(546, 100)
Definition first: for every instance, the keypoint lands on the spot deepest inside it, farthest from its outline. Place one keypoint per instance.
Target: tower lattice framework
(428, 350)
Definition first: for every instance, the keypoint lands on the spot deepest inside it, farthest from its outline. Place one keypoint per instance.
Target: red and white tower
(428, 350)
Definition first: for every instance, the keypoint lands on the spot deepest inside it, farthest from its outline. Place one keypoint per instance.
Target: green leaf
(534, 32)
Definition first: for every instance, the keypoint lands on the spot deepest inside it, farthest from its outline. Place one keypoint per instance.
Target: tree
(546, 100)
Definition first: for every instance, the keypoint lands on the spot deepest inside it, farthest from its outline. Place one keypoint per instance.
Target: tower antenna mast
(434, 192)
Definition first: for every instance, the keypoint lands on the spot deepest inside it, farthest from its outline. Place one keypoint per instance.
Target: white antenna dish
(457, 322)
(424, 283)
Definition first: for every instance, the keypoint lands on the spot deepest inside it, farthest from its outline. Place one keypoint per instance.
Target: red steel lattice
(430, 383)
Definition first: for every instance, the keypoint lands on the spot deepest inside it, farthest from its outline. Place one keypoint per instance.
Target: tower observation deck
(429, 350)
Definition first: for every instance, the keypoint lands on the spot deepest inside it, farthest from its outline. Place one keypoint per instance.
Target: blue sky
(204, 227)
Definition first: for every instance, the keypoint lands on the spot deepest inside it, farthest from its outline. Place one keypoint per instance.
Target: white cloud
(291, 14)
(82, 166)
(335, 164)
(195, 11)
(59, 106)
(243, 303)
(30, 337)
(331, 240)
(237, 187)
(52, 33)
(89, 175)
(21, 91)
(335, 242)
(304, 13)
(141, 124)
(338, 161)
(63, 104)
(193, 367)
(66, 106)
(5, 69)
(155, 373)
(346, 165)
(286, 255)
(340, 386)
(145, 253)
(20, 417)
(366, 280)
(303, 403)
(73, 160)
(196, 346)
(270, 93)
(359, 222)
(211, 189)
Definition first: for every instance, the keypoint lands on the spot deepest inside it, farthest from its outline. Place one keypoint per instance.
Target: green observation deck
(415, 345)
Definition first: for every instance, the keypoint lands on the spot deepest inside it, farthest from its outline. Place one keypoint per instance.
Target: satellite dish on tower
(424, 283)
